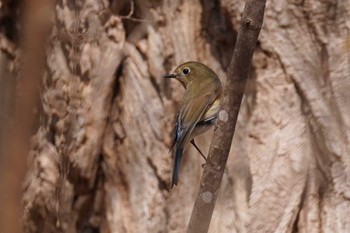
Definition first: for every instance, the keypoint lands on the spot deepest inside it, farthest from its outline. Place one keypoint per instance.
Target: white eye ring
(186, 71)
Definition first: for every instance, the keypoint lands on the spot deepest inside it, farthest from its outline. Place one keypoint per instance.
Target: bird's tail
(177, 163)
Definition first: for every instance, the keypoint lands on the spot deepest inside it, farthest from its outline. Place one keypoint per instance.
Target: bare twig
(131, 12)
(132, 7)
(237, 74)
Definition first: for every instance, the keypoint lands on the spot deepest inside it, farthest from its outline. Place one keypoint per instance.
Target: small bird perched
(200, 106)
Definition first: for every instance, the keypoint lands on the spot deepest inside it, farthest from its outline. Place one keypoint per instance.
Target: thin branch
(131, 12)
(237, 74)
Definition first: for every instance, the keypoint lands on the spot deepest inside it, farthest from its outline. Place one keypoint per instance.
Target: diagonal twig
(237, 74)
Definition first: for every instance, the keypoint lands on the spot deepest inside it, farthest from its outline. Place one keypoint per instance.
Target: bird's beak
(171, 75)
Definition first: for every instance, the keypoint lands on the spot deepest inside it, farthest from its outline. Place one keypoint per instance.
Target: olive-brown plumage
(200, 106)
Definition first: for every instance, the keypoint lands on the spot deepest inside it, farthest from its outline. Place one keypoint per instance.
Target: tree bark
(99, 160)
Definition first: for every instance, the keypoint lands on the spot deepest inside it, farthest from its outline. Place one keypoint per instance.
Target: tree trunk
(100, 161)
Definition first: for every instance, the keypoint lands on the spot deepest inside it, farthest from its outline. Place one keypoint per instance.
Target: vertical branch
(35, 26)
(221, 143)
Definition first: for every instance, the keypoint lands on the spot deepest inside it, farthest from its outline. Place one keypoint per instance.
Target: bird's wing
(187, 119)
(190, 114)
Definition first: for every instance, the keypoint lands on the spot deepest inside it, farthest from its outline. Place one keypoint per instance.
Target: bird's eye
(186, 71)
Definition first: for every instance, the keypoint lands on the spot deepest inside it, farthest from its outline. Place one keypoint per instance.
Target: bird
(199, 109)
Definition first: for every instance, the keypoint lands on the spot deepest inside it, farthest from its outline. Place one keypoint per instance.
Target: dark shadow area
(218, 31)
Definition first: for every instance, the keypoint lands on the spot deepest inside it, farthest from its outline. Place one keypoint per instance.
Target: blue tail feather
(177, 163)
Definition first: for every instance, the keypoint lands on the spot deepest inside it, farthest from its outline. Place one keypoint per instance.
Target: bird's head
(193, 72)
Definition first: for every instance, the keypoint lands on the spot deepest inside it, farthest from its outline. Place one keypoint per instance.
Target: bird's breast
(208, 119)
(213, 110)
